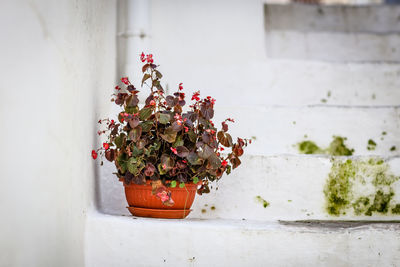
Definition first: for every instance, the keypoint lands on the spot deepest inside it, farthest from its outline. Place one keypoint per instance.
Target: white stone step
(333, 33)
(292, 185)
(279, 129)
(294, 188)
(341, 47)
(373, 18)
(125, 241)
(288, 82)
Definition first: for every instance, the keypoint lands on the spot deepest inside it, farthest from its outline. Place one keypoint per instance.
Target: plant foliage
(162, 142)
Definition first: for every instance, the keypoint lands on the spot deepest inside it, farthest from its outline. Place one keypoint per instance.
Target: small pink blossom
(125, 80)
(163, 196)
(174, 150)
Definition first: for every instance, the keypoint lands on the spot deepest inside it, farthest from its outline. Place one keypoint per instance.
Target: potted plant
(163, 154)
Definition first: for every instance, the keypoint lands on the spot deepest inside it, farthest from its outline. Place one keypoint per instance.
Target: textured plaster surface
(55, 55)
(126, 241)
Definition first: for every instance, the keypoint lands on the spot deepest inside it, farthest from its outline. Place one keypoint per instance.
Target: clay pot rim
(190, 184)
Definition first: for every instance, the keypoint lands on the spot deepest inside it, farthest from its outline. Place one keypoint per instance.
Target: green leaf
(145, 77)
(181, 185)
(161, 170)
(192, 136)
(158, 74)
(135, 134)
(132, 166)
(228, 169)
(173, 184)
(167, 161)
(146, 126)
(122, 167)
(178, 142)
(195, 180)
(194, 159)
(145, 113)
(136, 151)
(119, 140)
(169, 135)
(130, 110)
(164, 118)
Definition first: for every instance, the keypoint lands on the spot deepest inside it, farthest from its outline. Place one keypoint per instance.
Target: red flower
(184, 161)
(152, 103)
(142, 57)
(180, 86)
(125, 80)
(186, 129)
(163, 196)
(231, 120)
(181, 96)
(117, 88)
(196, 96)
(224, 163)
(112, 121)
(221, 148)
(149, 58)
(94, 154)
(106, 146)
(174, 150)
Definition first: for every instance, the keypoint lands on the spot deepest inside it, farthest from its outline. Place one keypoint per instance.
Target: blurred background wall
(55, 58)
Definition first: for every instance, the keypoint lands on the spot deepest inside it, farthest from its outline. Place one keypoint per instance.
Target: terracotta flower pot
(143, 203)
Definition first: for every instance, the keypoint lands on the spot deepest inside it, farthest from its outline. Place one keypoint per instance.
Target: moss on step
(262, 201)
(371, 144)
(364, 187)
(336, 148)
(309, 147)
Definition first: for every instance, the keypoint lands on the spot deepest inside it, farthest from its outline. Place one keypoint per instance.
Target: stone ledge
(293, 185)
(123, 241)
(377, 19)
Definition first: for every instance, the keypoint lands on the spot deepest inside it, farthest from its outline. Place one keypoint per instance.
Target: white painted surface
(124, 241)
(279, 129)
(56, 58)
(58, 61)
(342, 47)
(221, 48)
(284, 82)
(292, 184)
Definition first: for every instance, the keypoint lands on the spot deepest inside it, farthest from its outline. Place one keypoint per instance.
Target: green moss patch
(364, 187)
(336, 148)
(371, 144)
(262, 201)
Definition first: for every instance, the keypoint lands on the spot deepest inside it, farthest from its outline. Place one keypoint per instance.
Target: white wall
(57, 59)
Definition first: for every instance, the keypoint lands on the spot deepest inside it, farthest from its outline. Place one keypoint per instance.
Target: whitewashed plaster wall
(56, 57)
